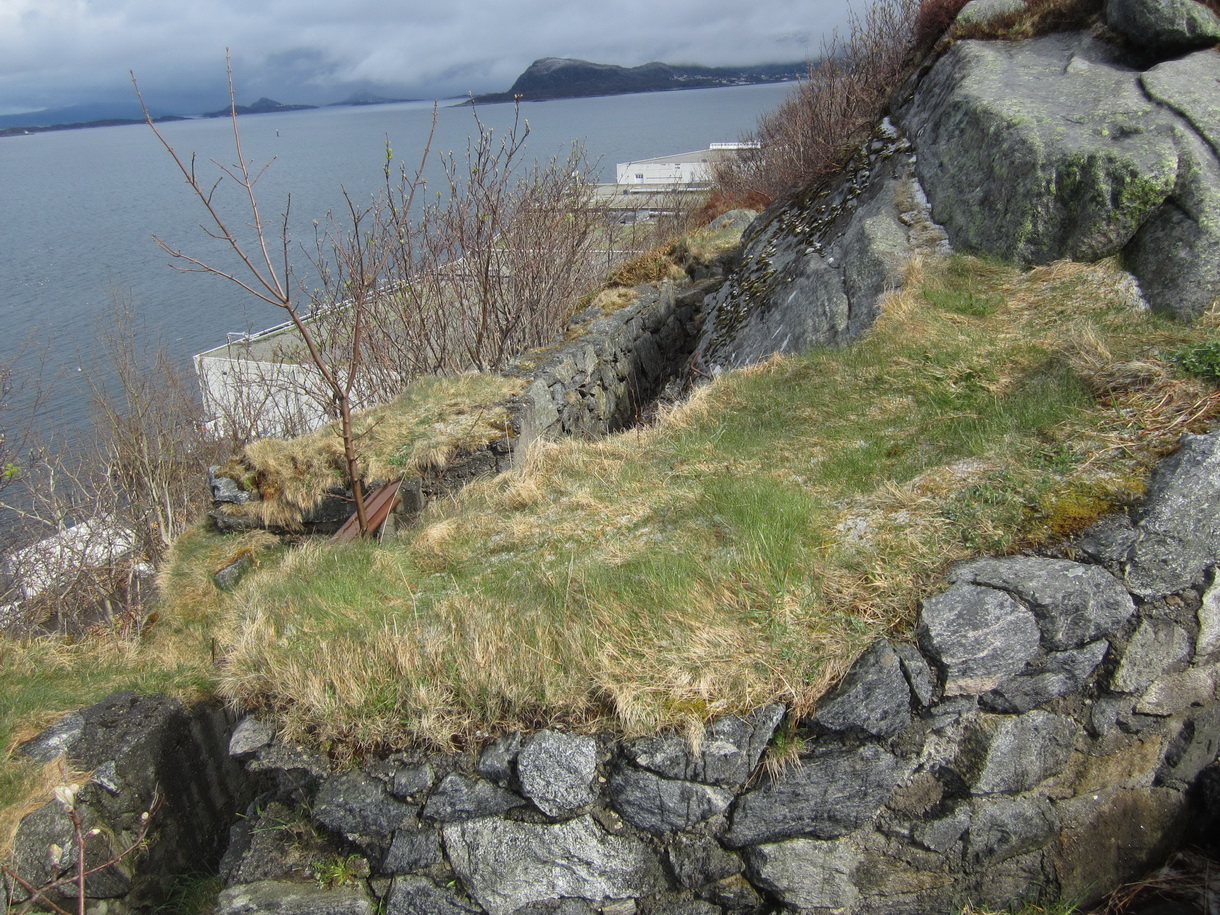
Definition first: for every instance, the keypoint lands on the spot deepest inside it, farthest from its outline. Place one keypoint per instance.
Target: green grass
(743, 549)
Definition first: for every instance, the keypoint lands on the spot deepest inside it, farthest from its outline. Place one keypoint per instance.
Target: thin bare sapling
(262, 268)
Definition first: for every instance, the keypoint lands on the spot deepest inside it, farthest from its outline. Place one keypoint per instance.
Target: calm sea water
(79, 209)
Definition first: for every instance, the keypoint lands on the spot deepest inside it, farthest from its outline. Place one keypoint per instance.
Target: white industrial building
(683, 169)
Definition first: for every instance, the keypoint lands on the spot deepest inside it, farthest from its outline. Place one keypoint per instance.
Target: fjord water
(79, 208)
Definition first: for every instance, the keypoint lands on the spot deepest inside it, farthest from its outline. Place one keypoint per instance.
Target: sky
(55, 53)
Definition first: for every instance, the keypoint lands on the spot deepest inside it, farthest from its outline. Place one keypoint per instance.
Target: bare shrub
(87, 518)
(933, 19)
(815, 130)
(261, 266)
(490, 267)
(151, 443)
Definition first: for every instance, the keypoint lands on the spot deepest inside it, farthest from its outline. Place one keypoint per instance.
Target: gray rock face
(729, 751)
(138, 747)
(661, 805)
(1208, 641)
(408, 781)
(412, 850)
(1010, 754)
(812, 272)
(496, 760)
(1164, 26)
(419, 896)
(997, 124)
(250, 736)
(274, 844)
(979, 636)
(698, 861)
(49, 828)
(226, 490)
(556, 771)
(834, 791)
(1178, 529)
(807, 873)
(918, 673)
(461, 798)
(1049, 148)
(1075, 604)
(1004, 827)
(56, 740)
(1155, 645)
(505, 865)
(873, 698)
(1045, 679)
(1166, 253)
(270, 897)
(353, 804)
(230, 576)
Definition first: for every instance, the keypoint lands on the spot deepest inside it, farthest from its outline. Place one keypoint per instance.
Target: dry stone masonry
(1038, 740)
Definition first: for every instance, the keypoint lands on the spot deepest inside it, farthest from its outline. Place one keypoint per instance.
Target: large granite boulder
(1059, 147)
(1164, 26)
(506, 865)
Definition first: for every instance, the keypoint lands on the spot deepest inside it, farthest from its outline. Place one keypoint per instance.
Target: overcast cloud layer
(62, 52)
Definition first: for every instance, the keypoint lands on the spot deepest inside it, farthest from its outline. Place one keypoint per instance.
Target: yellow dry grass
(418, 433)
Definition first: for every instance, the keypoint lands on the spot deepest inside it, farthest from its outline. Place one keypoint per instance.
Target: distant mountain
(100, 122)
(76, 114)
(262, 106)
(367, 98)
(565, 77)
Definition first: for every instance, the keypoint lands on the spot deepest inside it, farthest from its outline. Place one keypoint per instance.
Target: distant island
(565, 77)
(548, 78)
(262, 106)
(84, 116)
(78, 125)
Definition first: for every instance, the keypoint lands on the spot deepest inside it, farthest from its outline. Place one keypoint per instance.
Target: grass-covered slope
(744, 548)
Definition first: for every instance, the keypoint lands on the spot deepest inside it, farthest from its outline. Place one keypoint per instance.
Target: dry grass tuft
(614, 299)
(419, 433)
(652, 266)
(742, 549)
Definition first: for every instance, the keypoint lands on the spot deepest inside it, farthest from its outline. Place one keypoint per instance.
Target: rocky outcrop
(1167, 27)
(1064, 146)
(1060, 147)
(813, 271)
(140, 754)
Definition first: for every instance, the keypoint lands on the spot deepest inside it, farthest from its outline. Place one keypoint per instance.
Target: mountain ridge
(569, 77)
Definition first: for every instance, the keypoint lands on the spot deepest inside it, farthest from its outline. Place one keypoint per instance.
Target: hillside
(855, 555)
(556, 77)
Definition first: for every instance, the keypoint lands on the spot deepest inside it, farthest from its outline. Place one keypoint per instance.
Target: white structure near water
(683, 169)
(259, 384)
(256, 383)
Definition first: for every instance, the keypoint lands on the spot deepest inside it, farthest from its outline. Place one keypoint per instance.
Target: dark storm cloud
(56, 52)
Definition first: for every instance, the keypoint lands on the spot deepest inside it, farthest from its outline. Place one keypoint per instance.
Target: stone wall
(606, 378)
(602, 379)
(129, 755)
(1037, 740)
